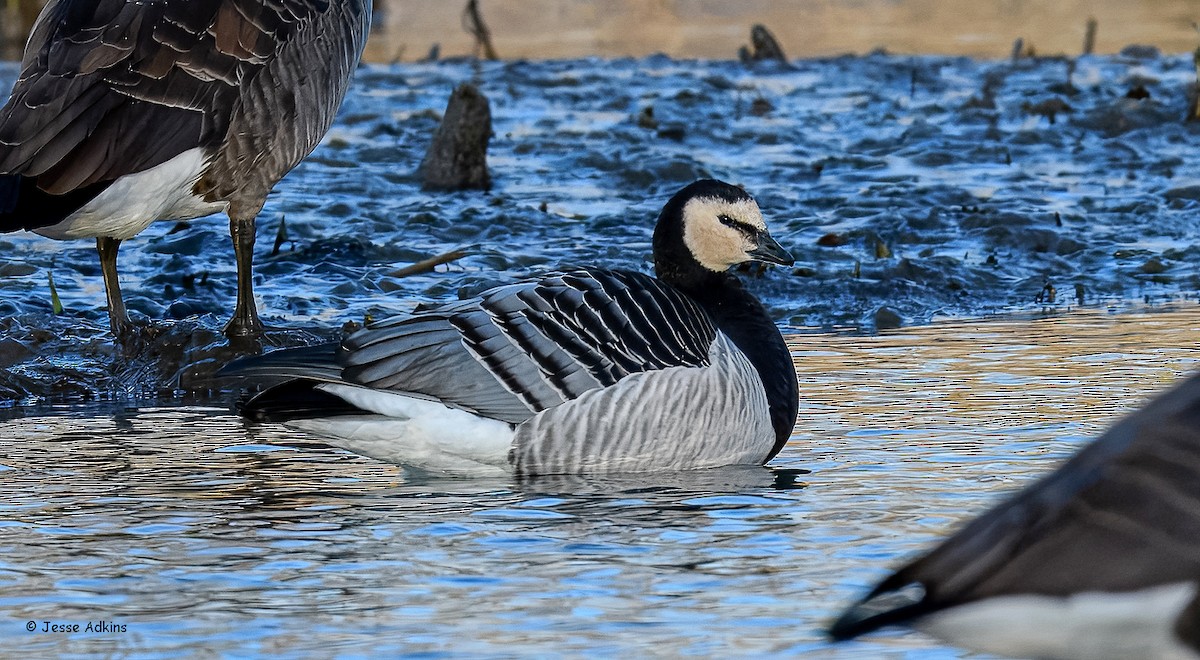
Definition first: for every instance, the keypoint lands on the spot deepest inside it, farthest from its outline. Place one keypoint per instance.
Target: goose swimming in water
(1101, 559)
(132, 111)
(581, 371)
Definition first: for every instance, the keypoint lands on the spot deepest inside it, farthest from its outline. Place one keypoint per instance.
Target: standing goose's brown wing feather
(114, 87)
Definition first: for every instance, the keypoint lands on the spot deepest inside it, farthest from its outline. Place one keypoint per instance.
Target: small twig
(1089, 37)
(280, 236)
(1017, 48)
(426, 265)
(472, 22)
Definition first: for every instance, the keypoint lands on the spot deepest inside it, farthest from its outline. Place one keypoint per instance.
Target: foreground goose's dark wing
(112, 87)
(519, 349)
(1122, 515)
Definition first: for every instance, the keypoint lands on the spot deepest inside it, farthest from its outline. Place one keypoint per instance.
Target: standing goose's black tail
(25, 206)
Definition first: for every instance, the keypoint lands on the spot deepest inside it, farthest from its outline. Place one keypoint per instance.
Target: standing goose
(585, 370)
(1101, 559)
(131, 111)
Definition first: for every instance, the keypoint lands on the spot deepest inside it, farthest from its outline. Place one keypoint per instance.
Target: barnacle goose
(1101, 559)
(581, 371)
(131, 111)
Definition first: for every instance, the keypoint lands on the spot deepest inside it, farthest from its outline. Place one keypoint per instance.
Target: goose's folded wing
(112, 87)
(425, 355)
(523, 348)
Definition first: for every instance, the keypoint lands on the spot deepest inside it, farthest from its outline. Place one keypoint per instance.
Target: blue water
(898, 182)
(205, 535)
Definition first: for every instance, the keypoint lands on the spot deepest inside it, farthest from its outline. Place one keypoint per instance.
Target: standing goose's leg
(118, 318)
(245, 321)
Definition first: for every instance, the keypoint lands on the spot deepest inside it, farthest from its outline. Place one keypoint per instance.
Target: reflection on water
(195, 531)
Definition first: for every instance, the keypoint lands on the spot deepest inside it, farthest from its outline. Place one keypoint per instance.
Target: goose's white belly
(415, 432)
(135, 201)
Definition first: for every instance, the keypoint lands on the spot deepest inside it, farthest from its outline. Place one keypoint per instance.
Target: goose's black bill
(884, 606)
(770, 251)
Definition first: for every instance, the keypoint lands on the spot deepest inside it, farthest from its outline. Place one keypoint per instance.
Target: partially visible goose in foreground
(1101, 559)
(131, 111)
(582, 371)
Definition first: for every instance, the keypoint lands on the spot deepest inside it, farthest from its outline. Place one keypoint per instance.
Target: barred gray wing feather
(425, 354)
(520, 349)
(97, 75)
(584, 329)
(317, 362)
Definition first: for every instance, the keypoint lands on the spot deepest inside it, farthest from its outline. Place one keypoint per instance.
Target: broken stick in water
(1089, 37)
(426, 265)
(472, 22)
(1193, 113)
(763, 46)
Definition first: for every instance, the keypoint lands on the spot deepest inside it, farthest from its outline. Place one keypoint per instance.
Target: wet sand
(539, 29)
(805, 28)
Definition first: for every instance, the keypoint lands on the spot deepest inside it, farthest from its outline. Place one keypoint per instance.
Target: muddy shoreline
(909, 189)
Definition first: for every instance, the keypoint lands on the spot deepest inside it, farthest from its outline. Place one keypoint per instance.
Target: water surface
(203, 535)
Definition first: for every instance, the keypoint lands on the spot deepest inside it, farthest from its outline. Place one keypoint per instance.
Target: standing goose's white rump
(582, 371)
(132, 111)
(1101, 559)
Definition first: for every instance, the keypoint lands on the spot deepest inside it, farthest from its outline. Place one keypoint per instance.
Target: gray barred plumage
(720, 412)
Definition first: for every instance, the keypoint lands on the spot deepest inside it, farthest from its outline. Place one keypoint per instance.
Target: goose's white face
(721, 234)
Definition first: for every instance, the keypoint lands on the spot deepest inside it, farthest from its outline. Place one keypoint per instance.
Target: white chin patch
(716, 246)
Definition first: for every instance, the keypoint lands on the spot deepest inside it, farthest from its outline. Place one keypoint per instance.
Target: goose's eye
(728, 221)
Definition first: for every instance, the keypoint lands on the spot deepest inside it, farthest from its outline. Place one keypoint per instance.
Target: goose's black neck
(736, 313)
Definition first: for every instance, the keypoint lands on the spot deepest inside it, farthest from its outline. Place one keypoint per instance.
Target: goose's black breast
(741, 317)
